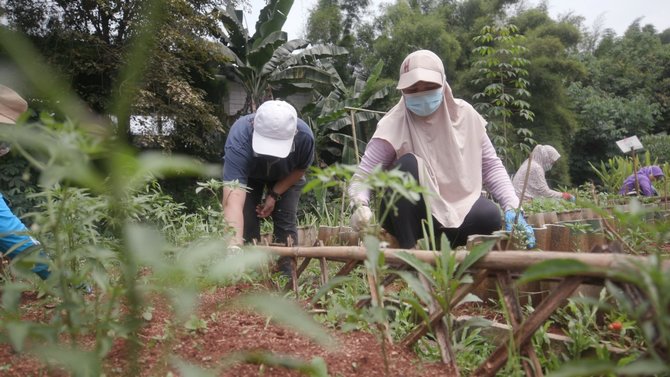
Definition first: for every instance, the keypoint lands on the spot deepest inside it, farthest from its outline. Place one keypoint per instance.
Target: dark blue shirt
(241, 163)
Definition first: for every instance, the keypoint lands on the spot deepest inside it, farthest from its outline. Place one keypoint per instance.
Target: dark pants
(405, 224)
(284, 216)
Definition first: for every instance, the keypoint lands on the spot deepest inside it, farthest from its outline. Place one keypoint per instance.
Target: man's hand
(265, 209)
(361, 217)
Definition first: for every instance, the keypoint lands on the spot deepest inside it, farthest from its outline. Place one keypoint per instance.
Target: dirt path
(228, 331)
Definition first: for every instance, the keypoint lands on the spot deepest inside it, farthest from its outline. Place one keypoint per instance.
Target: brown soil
(227, 331)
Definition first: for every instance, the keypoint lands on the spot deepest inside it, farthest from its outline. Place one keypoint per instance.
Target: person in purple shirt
(645, 178)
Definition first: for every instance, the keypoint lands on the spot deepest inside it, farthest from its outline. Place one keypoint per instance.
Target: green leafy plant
(105, 223)
(578, 318)
(501, 67)
(331, 117)
(540, 205)
(645, 300)
(437, 285)
(613, 173)
(266, 63)
(387, 185)
(330, 209)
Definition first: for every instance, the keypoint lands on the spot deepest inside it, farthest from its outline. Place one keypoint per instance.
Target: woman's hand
(510, 217)
(569, 197)
(361, 218)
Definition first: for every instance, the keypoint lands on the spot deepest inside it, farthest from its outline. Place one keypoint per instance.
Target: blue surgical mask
(424, 103)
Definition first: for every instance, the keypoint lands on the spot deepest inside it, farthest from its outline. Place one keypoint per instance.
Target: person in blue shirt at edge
(14, 240)
(267, 153)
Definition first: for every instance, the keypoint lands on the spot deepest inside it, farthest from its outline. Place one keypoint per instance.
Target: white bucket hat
(275, 125)
(11, 105)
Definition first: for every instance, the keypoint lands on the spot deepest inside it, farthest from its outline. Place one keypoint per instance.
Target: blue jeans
(12, 239)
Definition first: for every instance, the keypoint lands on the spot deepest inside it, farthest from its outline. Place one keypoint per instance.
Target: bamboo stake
(524, 332)
(348, 267)
(461, 292)
(364, 110)
(512, 260)
(324, 271)
(353, 134)
(303, 266)
(531, 365)
(637, 182)
(523, 193)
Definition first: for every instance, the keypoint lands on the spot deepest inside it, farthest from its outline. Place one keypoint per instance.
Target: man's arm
(280, 188)
(233, 207)
(285, 183)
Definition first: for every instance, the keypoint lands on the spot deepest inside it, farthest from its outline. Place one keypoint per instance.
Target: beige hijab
(447, 143)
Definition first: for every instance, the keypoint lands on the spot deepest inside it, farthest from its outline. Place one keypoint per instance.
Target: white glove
(361, 218)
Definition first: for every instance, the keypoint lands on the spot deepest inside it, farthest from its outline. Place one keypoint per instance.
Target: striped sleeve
(378, 152)
(495, 177)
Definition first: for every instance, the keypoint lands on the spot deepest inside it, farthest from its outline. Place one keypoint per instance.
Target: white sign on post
(629, 144)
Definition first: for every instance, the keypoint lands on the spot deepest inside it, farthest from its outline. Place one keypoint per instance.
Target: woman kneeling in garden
(543, 159)
(442, 142)
(645, 179)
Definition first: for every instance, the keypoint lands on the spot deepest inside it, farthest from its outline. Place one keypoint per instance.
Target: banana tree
(266, 64)
(331, 116)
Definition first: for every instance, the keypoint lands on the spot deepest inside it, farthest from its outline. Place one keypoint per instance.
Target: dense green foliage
(87, 42)
(658, 146)
(502, 72)
(265, 63)
(588, 87)
(105, 221)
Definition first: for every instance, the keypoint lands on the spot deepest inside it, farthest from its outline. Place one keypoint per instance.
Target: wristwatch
(274, 195)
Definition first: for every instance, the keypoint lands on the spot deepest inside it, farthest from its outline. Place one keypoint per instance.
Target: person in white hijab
(442, 142)
(543, 159)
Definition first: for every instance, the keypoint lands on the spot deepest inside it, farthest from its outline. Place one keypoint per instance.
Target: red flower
(615, 326)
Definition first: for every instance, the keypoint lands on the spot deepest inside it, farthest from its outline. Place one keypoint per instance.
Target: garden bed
(224, 332)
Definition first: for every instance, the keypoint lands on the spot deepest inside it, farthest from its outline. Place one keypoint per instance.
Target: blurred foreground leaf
(588, 368)
(554, 268)
(287, 313)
